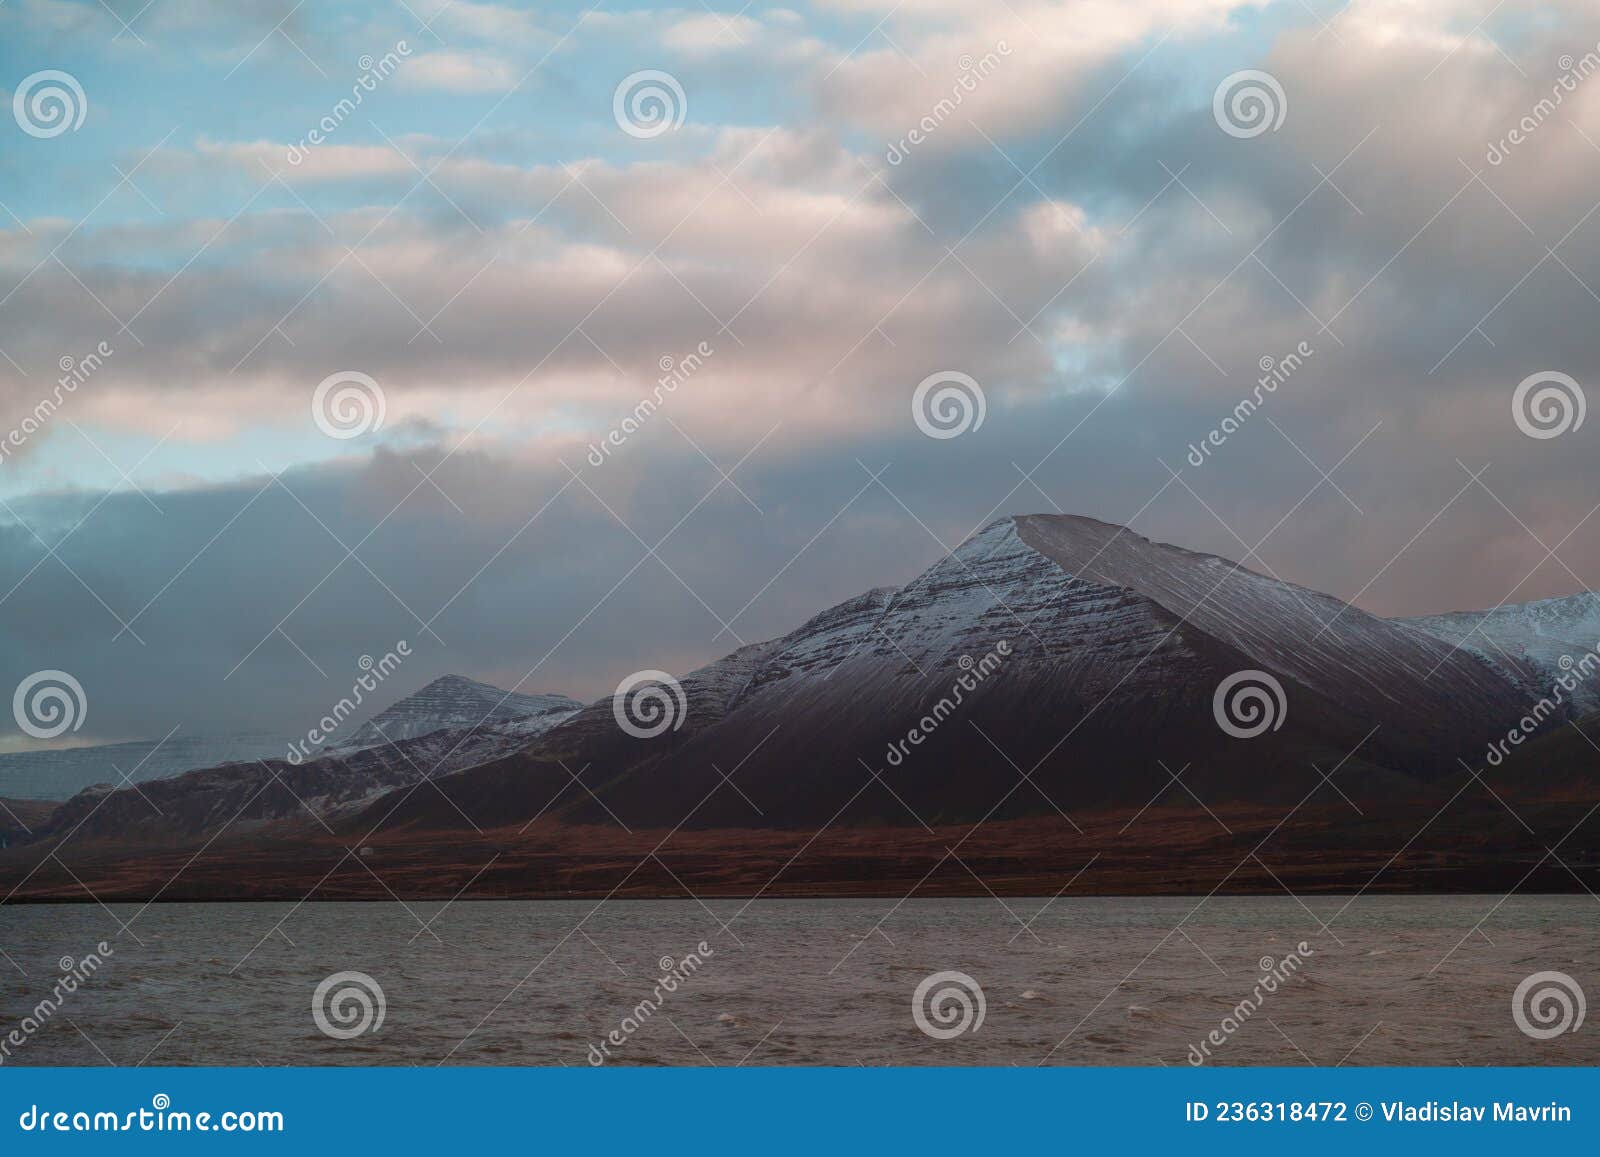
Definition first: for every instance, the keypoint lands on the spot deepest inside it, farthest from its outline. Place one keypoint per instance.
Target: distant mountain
(20, 818)
(1101, 654)
(454, 701)
(449, 702)
(266, 795)
(450, 724)
(60, 772)
(1540, 640)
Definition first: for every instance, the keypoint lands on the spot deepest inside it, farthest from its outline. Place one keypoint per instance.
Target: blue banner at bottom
(745, 1111)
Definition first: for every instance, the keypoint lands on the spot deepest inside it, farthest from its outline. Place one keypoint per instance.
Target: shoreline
(1173, 852)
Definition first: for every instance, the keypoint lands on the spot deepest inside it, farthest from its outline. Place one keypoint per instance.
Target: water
(1386, 980)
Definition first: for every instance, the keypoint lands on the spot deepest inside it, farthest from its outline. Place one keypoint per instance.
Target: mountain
(449, 702)
(453, 701)
(57, 773)
(20, 818)
(1093, 656)
(1565, 758)
(268, 795)
(1541, 641)
(453, 723)
(1050, 670)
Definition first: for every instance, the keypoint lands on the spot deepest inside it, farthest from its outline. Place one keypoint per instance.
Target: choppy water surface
(1388, 980)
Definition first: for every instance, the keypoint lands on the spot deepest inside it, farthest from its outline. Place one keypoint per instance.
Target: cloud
(492, 23)
(568, 311)
(711, 33)
(1078, 235)
(305, 162)
(1040, 57)
(464, 72)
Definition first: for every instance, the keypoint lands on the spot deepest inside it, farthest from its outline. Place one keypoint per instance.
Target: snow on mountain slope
(244, 797)
(451, 724)
(1363, 662)
(1047, 662)
(1102, 652)
(1550, 636)
(1104, 611)
(994, 587)
(453, 701)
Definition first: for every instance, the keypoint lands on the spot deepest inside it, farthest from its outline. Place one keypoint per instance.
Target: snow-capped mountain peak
(453, 701)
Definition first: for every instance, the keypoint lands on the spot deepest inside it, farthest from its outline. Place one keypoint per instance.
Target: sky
(358, 305)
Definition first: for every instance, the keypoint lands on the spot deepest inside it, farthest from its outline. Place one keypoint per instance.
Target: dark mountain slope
(1050, 662)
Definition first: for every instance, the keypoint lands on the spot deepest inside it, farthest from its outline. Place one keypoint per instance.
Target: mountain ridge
(1050, 667)
(1539, 640)
(1114, 647)
(1115, 644)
